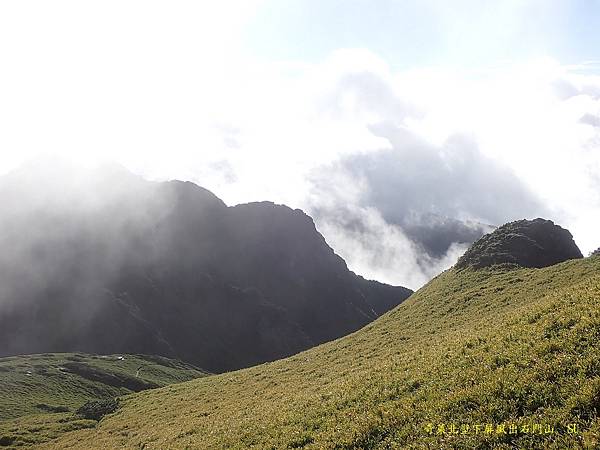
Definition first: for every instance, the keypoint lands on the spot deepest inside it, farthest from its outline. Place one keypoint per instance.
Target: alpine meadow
(473, 347)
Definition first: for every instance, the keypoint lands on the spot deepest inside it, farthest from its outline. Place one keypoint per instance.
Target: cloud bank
(409, 211)
(399, 167)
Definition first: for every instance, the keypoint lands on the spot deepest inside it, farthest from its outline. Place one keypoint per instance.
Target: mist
(431, 157)
(101, 260)
(403, 214)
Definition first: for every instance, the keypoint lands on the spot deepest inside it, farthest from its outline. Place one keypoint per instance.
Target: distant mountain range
(102, 261)
(435, 234)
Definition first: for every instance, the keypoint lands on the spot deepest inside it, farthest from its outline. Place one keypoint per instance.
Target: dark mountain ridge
(106, 262)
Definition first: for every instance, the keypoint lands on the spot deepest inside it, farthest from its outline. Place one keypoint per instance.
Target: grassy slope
(472, 347)
(39, 393)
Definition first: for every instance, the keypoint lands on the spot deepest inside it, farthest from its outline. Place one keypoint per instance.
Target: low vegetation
(97, 409)
(492, 358)
(46, 395)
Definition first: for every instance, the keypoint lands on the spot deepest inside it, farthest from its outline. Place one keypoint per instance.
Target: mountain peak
(527, 243)
(118, 264)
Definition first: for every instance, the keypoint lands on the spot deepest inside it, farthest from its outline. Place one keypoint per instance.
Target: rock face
(526, 243)
(111, 263)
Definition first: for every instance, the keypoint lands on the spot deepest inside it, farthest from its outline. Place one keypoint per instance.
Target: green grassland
(502, 346)
(40, 393)
(508, 347)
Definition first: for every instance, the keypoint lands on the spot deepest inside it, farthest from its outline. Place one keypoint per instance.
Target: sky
(382, 119)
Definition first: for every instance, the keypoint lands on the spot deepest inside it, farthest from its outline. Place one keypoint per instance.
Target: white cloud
(517, 117)
(169, 90)
(378, 250)
(134, 80)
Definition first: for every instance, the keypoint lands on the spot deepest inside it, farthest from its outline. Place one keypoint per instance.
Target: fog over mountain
(102, 261)
(415, 207)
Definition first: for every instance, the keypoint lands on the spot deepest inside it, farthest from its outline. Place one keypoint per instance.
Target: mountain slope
(495, 345)
(106, 262)
(40, 393)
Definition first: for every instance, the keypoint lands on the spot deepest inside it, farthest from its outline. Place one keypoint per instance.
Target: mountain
(102, 261)
(41, 393)
(526, 243)
(504, 348)
(435, 234)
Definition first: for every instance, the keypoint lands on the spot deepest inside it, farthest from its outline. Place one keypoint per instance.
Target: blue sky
(411, 33)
